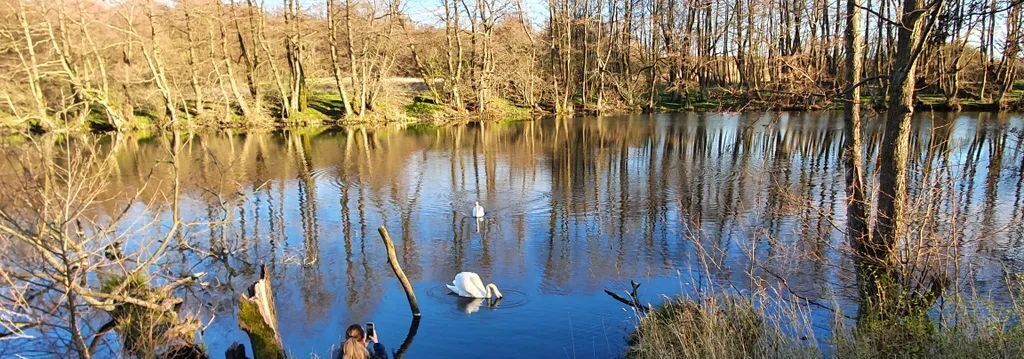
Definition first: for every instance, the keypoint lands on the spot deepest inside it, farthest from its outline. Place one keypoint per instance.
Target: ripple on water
(512, 299)
(322, 173)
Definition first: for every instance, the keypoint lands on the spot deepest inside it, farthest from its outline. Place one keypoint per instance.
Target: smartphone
(370, 331)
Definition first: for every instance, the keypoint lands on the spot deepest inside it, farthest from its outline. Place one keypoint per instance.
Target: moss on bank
(503, 110)
(424, 109)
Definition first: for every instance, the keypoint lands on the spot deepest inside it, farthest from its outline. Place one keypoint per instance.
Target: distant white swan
(469, 285)
(478, 210)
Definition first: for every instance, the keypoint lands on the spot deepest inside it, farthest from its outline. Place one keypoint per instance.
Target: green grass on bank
(326, 108)
(424, 109)
(503, 110)
(733, 327)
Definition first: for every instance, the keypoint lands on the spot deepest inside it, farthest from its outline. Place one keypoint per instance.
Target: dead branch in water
(414, 305)
(633, 300)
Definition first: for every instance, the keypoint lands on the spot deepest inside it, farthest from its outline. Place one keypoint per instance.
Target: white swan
(469, 285)
(478, 210)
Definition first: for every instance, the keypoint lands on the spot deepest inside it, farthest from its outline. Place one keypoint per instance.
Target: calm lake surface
(679, 202)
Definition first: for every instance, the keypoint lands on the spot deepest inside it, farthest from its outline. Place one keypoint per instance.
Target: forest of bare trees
(135, 63)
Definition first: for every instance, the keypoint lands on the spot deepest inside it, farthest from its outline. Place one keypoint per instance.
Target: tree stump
(258, 318)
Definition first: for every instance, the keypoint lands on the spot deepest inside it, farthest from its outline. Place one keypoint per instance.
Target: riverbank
(408, 103)
(722, 99)
(737, 327)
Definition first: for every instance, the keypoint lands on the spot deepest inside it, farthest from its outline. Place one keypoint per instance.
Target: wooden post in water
(258, 318)
(393, 260)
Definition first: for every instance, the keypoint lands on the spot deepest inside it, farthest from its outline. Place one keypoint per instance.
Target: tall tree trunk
(31, 65)
(151, 53)
(894, 152)
(251, 58)
(260, 36)
(293, 50)
(193, 62)
(335, 63)
(354, 73)
(856, 213)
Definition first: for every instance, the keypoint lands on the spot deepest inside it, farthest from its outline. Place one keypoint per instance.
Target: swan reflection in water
(472, 305)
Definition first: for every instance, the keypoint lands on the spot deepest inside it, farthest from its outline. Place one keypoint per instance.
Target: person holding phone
(356, 340)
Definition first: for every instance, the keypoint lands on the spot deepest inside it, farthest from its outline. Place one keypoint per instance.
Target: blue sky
(429, 12)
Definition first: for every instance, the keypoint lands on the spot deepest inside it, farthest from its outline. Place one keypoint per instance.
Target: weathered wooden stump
(258, 318)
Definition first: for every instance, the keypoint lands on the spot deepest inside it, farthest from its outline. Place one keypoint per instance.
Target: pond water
(678, 202)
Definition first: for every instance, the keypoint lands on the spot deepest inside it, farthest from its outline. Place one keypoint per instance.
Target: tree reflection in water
(754, 201)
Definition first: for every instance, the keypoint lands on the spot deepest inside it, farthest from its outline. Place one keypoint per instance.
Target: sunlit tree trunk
(1011, 49)
(890, 218)
(240, 100)
(354, 69)
(30, 63)
(193, 61)
(530, 89)
(251, 59)
(856, 212)
(258, 24)
(335, 65)
(294, 52)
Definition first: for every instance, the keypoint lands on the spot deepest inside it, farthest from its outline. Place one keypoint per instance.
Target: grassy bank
(409, 104)
(733, 327)
(722, 99)
(400, 101)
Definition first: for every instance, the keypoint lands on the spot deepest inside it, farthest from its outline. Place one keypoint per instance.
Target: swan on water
(478, 210)
(469, 285)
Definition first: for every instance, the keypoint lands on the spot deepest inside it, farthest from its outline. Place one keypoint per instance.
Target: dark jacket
(378, 351)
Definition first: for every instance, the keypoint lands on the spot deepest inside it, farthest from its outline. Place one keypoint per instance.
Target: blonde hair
(354, 348)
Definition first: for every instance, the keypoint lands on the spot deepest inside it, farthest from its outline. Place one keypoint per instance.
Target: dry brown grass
(713, 327)
(734, 327)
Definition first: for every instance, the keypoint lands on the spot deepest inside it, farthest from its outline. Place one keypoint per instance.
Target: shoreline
(420, 112)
